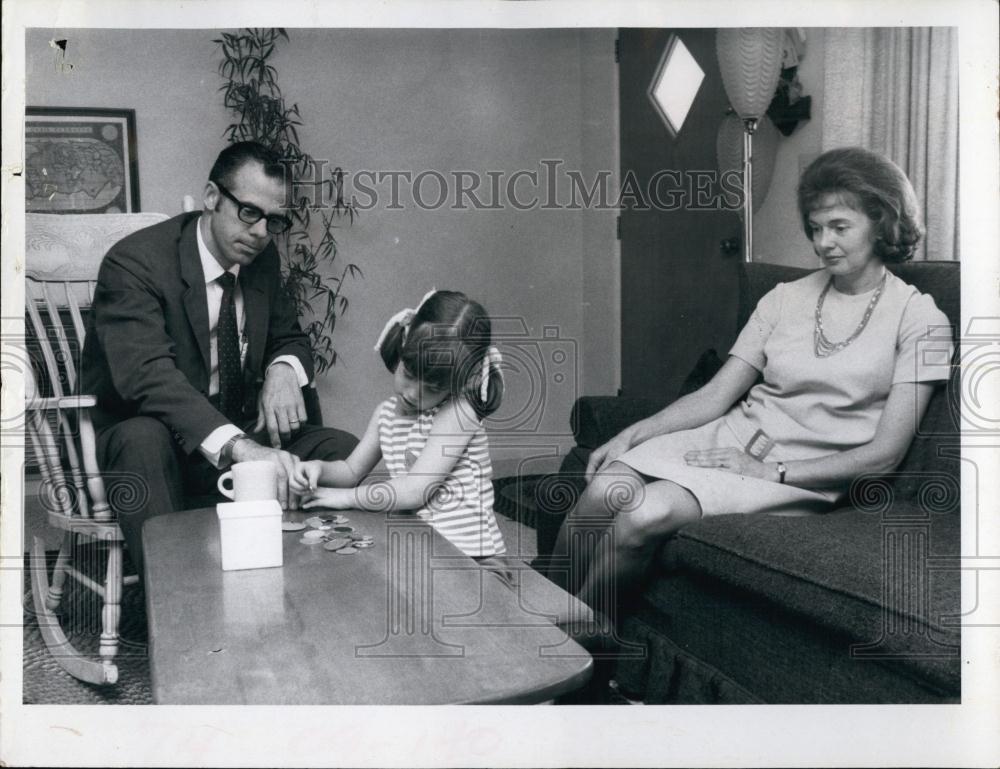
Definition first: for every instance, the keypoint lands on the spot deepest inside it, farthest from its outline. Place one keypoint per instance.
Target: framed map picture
(80, 161)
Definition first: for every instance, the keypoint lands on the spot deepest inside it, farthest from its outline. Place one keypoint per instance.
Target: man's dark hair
(238, 154)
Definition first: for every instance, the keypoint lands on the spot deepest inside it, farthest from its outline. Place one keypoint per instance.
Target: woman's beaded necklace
(822, 346)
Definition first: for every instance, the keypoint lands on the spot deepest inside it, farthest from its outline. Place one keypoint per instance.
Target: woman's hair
(444, 346)
(871, 184)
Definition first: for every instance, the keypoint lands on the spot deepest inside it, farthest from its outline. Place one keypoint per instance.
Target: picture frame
(80, 160)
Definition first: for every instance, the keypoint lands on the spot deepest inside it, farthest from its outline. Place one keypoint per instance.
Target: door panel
(678, 289)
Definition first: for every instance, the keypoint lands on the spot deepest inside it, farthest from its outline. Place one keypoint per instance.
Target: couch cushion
(864, 574)
(704, 369)
(756, 280)
(596, 419)
(940, 279)
(935, 446)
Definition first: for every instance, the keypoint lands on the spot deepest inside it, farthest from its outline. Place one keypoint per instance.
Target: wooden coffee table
(408, 621)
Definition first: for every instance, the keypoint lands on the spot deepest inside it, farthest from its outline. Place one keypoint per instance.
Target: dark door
(678, 288)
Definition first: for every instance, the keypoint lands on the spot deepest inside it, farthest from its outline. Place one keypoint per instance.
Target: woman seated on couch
(846, 381)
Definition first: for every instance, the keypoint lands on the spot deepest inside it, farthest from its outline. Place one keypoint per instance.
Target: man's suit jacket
(147, 346)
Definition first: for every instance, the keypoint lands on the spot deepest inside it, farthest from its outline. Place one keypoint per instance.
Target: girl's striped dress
(461, 508)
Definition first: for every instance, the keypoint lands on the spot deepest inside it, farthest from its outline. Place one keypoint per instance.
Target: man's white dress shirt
(212, 445)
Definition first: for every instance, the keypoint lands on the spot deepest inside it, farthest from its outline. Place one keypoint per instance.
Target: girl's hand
(333, 499)
(732, 461)
(306, 477)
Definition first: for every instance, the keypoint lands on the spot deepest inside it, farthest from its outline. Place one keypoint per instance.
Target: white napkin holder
(250, 534)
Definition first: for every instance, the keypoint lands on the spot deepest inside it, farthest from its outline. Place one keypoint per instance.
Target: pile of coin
(332, 532)
(350, 544)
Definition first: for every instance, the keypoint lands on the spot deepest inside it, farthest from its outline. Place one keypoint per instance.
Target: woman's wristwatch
(226, 453)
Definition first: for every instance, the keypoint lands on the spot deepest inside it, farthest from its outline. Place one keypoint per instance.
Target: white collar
(209, 265)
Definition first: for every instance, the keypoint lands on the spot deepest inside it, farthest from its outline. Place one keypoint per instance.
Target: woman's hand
(732, 461)
(604, 455)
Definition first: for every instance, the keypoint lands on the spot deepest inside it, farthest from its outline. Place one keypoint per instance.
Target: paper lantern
(729, 151)
(750, 62)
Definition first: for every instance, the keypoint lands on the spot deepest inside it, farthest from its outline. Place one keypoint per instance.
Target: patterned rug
(46, 683)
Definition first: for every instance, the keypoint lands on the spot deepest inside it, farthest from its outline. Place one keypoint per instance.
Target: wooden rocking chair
(62, 257)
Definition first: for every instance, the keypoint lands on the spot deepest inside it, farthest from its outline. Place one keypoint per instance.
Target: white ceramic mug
(251, 481)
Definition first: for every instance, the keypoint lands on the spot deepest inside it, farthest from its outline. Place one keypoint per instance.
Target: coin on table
(292, 526)
(346, 550)
(343, 529)
(315, 522)
(313, 534)
(310, 541)
(363, 544)
(340, 519)
(336, 544)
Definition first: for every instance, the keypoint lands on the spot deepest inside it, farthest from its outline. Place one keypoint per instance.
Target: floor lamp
(750, 62)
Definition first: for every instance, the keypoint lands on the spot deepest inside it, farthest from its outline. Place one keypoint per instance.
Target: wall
(406, 100)
(777, 230)
(168, 77)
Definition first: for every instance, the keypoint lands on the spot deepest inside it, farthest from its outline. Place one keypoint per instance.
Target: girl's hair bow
(404, 318)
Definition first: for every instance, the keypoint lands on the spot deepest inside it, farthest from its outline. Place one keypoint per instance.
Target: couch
(854, 606)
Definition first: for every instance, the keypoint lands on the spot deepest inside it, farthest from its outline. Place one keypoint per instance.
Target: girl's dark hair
(444, 347)
(873, 185)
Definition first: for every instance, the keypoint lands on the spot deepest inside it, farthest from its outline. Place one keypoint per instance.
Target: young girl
(430, 433)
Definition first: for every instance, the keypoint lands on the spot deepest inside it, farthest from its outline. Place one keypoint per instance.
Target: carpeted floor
(45, 682)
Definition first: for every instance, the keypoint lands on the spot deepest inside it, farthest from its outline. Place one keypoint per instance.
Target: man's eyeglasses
(250, 214)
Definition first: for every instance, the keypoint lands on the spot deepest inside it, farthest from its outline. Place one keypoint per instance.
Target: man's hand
(280, 406)
(246, 450)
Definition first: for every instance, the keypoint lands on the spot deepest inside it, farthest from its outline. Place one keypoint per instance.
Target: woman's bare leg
(622, 559)
(593, 514)
(608, 540)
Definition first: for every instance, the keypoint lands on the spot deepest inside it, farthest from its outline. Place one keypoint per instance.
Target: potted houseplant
(251, 93)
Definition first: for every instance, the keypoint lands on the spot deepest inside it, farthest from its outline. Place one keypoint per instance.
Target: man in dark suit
(194, 370)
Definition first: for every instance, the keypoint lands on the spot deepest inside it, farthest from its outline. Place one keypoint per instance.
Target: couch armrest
(596, 419)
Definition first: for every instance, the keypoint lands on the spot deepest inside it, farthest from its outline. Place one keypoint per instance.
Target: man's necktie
(228, 340)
